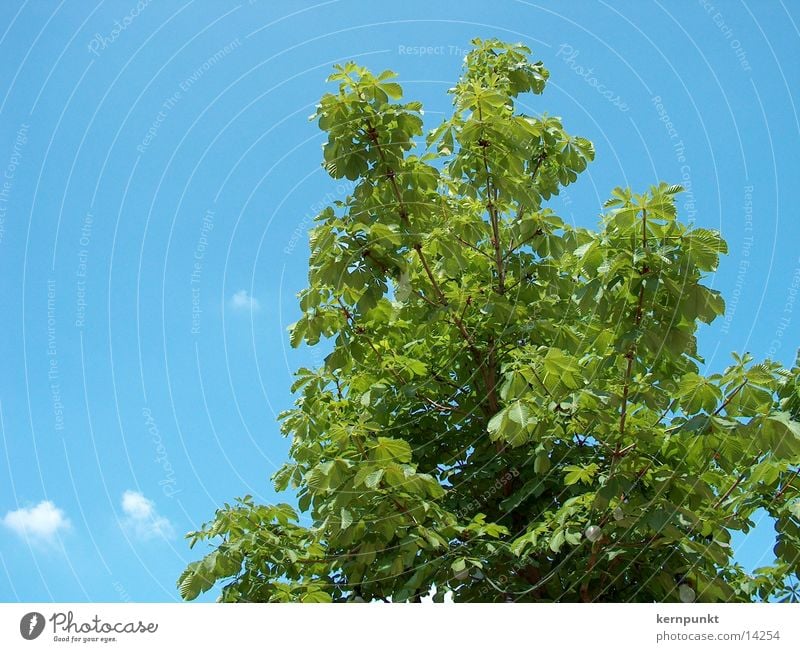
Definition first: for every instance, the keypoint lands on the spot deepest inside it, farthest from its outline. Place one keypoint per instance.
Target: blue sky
(158, 177)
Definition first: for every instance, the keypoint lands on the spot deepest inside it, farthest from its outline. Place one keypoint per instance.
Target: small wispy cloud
(241, 300)
(40, 523)
(142, 518)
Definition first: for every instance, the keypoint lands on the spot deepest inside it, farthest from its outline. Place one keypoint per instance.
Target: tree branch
(390, 172)
(787, 484)
(730, 398)
(494, 218)
(516, 247)
(472, 246)
(373, 135)
(730, 491)
(429, 273)
(539, 160)
(632, 351)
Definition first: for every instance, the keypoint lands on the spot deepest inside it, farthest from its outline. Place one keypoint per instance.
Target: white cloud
(142, 518)
(241, 300)
(40, 523)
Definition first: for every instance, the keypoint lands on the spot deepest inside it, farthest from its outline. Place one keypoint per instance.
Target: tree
(512, 407)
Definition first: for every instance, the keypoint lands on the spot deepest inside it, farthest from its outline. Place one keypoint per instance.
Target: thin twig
(472, 246)
(787, 484)
(516, 247)
(730, 491)
(632, 352)
(494, 218)
(730, 398)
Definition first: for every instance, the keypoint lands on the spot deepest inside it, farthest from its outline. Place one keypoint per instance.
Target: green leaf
(562, 367)
(316, 597)
(496, 423)
(704, 247)
(557, 540)
(188, 587)
(519, 413)
(392, 90)
(514, 424)
(782, 435)
(696, 393)
(703, 304)
(584, 474)
(416, 367)
(373, 479)
(198, 577)
(387, 449)
(541, 463)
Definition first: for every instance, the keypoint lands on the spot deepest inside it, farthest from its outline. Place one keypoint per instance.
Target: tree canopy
(513, 407)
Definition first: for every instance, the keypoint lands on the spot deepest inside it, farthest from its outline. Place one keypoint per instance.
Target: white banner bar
(400, 627)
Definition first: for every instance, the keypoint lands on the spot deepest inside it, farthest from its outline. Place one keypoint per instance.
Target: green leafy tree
(512, 407)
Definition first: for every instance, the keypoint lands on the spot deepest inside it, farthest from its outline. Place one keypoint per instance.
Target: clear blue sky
(163, 164)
